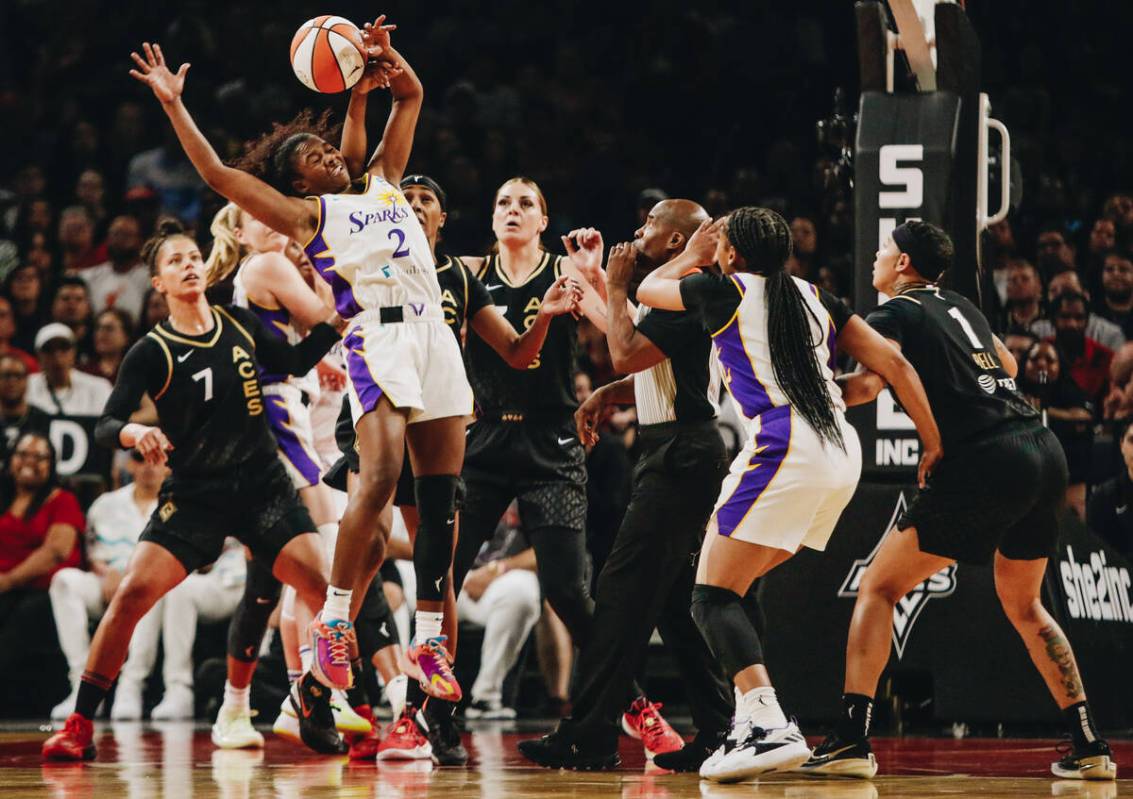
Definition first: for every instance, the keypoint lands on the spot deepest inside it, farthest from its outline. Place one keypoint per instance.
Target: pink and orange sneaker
(430, 664)
(74, 742)
(406, 739)
(644, 722)
(333, 645)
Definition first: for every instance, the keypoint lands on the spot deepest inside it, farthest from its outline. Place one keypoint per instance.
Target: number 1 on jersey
(954, 312)
(206, 375)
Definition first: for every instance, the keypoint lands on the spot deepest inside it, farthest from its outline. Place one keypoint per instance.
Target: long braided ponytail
(226, 250)
(763, 238)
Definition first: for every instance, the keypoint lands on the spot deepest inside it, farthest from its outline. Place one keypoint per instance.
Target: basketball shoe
(692, 755)
(310, 700)
(233, 730)
(444, 735)
(835, 757)
(74, 742)
(364, 746)
(757, 752)
(559, 749)
(333, 644)
(429, 663)
(1094, 761)
(644, 722)
(406, 738)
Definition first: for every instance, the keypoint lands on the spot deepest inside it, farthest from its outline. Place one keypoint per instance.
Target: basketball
(327, 55)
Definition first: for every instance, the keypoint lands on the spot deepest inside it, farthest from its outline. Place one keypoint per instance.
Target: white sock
(428, 624)
(395, 693)
(293, 675)
(761, 707)
(305, 659)
(337, 605)
(236, 698)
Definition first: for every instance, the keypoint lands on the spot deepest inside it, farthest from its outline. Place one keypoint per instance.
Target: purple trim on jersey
(289, 444)
(832, 345)
(321, 258)
(368, 391)
(739, 373)
(773, 442)
(272, 319)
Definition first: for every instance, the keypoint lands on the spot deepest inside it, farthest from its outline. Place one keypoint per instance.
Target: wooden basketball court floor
(176, 760)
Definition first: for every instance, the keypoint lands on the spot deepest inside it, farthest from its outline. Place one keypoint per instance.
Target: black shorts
(257, 504)
(542, 464)
(347, 441)
(1004, 492)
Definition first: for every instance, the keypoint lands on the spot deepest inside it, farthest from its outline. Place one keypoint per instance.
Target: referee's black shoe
(558, 750)
(1093, 761)
(835, 757)
(443, 733)
(692, 755)
(311, 701)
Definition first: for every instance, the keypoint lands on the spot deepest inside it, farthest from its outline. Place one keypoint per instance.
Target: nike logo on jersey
(185, 357)
(493, 288)
(565, 441)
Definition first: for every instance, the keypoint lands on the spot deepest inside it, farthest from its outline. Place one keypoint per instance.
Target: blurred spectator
(78, 597)
(39, 534)
(1119, 210)
(71, 306)
(76, 239)
(154, 310)
(7, 332)
(1053, 252)
(1119, 401)
(1108, 512)
(1117, 292)
(167, 172)
(1086, 360)
(60, 389)
(1024, 297)
(1103, 238)
(805, 237)
(123, 280)
(1098, 328)
(16, 415)
(1068, 413)
(501, 594)
(999, 250)
(113, 334)
(24, 290)
(90, 193)
(40, 252)
(1019, 344)
(28, 184)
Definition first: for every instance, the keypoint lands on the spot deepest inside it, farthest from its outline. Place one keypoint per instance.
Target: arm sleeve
(839, 312)
(895, 318)
(668, 329)
(712, 298)
(479, 297)
(143, 369)
(276, 355)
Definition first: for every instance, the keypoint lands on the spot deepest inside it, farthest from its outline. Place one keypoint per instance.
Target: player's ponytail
(167, 227)
(763, 239)
(226, 250)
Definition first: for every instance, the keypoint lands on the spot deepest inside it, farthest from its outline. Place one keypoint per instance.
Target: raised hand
(620, 264)
(376, 39)
(584, 248)
(152, 71)
(153, 445)
(702, 243)
(561, 297)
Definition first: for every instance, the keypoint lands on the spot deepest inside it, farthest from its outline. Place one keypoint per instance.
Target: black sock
(1080, 720)
(857, 713)
(93, 688)
(414, 694)
(356, 694)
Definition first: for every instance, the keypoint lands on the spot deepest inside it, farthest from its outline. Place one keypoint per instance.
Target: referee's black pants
(647, 582)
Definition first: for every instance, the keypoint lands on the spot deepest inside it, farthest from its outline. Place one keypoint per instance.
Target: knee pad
(250, 621)
(723, 622)
(432, 552)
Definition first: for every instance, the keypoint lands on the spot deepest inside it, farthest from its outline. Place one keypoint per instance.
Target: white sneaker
(761, 751)
(127, 702)
(345, 719)
(233, 730)
(176, 704)
(488, 709)
(65, 708)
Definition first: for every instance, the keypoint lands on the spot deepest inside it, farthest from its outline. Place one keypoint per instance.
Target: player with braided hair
(776, 337)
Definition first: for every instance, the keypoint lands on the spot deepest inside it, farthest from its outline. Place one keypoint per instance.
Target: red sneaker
(406, 739)
(74, 742)
(364, 746)
(644, 722)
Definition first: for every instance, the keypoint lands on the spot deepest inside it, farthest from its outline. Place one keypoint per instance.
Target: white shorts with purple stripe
(415, 363)
(786, 489)
(290, 422)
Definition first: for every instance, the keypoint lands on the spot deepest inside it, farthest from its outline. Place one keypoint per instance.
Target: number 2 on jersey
(401, 250)
(966, 326)
(206, 375)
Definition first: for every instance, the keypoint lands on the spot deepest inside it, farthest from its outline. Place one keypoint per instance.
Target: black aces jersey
(546, 386)
(950, 344)
(207, 390)
(462, 295)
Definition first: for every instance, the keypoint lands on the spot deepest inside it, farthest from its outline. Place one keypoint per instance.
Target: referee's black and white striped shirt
(685, 387)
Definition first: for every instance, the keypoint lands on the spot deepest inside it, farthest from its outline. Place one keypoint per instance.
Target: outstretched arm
(380, 69)
(291, 216)
(662, 287)
(392, 155)
(520, 350)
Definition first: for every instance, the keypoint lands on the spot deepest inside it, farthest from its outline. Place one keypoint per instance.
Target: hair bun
(168, 226)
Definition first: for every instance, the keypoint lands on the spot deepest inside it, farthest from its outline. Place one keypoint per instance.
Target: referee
(647, 579)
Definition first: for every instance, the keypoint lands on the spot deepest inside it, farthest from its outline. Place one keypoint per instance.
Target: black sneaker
(1091, 762)
(835, 757)
(311, 701)
(443, 734)
(558, 751)
(692, 756)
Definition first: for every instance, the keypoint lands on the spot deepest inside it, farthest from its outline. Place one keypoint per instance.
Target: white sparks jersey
(371, 249)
